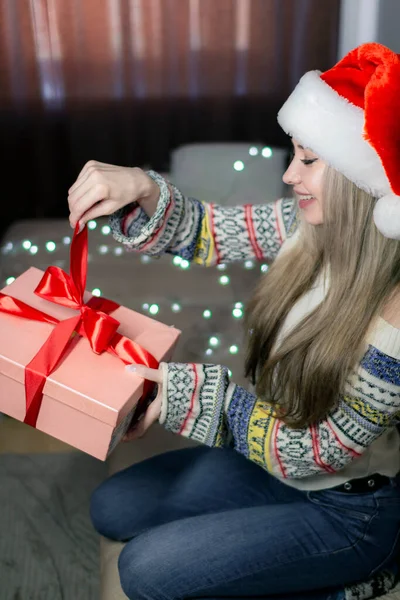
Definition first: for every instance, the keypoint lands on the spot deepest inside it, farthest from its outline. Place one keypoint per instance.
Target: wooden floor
(19, 438)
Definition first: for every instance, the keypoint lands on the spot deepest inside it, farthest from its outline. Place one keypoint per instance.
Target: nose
(291, 175)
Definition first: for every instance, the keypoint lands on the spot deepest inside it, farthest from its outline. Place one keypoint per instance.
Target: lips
(304, 202)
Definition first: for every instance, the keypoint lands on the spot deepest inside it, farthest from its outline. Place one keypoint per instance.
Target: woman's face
(305, 173)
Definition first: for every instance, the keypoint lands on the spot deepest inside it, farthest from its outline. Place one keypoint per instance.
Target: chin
(313, 217)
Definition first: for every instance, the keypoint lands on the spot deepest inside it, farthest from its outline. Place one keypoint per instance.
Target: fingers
(90, 167)
(150, 374)
(100, 209)
(151, 416)
(93, 173)
(154, 409)
(86, 202)
(86, 185)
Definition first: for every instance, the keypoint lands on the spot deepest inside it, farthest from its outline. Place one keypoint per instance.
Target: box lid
(95, 384)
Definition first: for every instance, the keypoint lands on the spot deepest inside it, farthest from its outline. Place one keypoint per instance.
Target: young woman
(294, 491)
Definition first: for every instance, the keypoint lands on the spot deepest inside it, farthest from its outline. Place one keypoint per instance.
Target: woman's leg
(176, 487)
(179, 484)
(289, 549)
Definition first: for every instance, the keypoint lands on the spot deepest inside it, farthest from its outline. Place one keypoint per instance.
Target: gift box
(63, 355)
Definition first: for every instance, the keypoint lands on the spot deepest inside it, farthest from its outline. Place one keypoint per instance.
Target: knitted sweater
(356, 439)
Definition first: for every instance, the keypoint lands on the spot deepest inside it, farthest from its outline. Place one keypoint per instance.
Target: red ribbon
(93, 322)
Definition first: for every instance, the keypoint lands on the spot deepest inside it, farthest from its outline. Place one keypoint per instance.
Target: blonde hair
(304, 376)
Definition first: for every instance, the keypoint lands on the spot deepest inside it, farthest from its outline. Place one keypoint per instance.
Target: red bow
(93, 322)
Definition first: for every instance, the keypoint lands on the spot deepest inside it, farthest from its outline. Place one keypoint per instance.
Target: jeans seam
(316, 555)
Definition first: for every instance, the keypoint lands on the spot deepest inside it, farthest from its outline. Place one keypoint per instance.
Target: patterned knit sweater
(356, 439)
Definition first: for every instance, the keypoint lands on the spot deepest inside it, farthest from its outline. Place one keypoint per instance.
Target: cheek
(314, 183)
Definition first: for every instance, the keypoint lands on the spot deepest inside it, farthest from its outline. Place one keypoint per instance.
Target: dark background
(127, 82)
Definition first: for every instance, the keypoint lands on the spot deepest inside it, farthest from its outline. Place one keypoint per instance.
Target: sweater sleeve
(205, 233)
(200, 402)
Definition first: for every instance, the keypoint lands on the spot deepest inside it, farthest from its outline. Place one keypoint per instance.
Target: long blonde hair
(305, 374)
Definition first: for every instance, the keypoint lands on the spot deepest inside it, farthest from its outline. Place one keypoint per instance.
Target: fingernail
(131, 368)
(81, 227)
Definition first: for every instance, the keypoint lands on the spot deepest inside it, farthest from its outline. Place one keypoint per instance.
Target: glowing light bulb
(233, 349)
(26, 244)
(264, 268)
(118, 251)
(177, 260)
(103, 249)
(185, 264)
(237, 313)
(33, 249)
(50, 246)
(176, 307)
(229, 373)
(266, 152)
(145, 259)
(153, 309)
(213, 341)
(208, 352)
(221, 267)
(224, 280)
(92, 224)
(145, 306)
(10, 280)
(253, 151)
(66, 240)
(248, 264)
(207, 314)
(238, 165)
(238, 304)
(96, 292)
(8, 247)
(106, 229)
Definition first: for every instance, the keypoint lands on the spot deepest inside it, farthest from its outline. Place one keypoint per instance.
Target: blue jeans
(208, 523)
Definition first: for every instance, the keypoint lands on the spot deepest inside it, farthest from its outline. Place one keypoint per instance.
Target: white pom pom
(387, 216)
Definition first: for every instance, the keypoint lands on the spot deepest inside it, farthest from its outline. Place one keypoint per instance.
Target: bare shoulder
(391, 312)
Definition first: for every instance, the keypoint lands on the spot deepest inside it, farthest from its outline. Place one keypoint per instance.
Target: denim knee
(136, 572)
(103, 515)
(152, 566)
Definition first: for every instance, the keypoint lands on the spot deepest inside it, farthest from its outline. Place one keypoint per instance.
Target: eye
(308, 161)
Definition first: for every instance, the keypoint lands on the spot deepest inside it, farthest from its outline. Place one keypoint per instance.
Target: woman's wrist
(150, 195)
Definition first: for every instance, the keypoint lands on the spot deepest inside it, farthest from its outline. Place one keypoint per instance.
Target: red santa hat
(350, 117)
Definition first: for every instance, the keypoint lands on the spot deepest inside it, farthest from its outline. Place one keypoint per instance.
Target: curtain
(126, 81)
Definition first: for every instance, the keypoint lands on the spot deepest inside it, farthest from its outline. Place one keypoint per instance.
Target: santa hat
(350, 117)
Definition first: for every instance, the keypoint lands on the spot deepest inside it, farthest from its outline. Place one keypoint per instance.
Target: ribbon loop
(57, 286)
(94, 322)
(99, 328)
(68, 290)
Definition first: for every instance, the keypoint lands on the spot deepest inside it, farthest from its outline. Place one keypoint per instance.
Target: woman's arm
(200, 402)
(150, 215)
(205, 233)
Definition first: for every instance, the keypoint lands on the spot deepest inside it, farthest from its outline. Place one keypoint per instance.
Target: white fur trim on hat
(387, 216)
(322, 120)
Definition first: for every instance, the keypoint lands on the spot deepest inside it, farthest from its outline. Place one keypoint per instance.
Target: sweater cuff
(193, 400)
(132, 227)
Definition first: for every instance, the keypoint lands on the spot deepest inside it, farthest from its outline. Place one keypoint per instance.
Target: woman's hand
(102, 189)
(152, 414)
